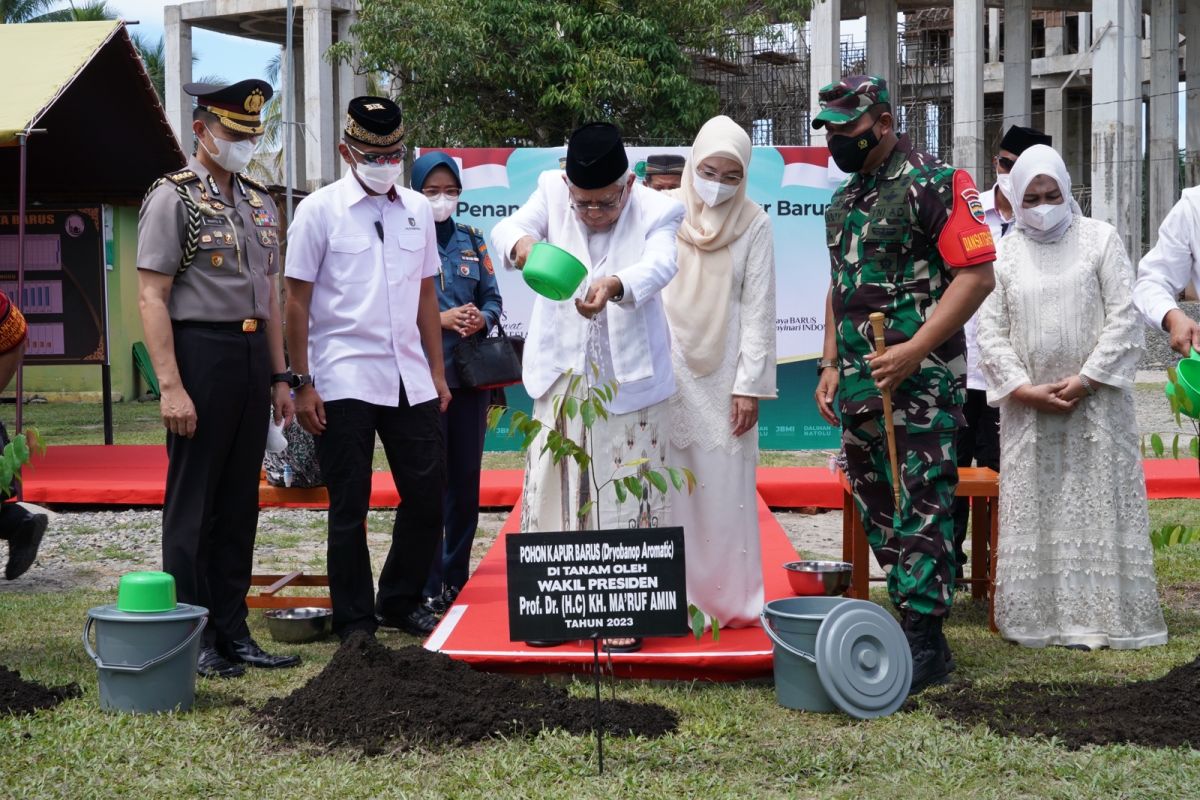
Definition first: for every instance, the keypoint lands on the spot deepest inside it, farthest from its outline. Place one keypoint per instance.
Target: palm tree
(155, 61)
(90, 11)
(17, 11)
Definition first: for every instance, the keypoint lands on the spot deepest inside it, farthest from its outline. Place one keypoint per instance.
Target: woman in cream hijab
(1059, 343)
(721, 309)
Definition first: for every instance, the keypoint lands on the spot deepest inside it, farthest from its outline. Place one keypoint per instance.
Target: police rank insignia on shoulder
(256, 202)
(182, 177)
(262, 217)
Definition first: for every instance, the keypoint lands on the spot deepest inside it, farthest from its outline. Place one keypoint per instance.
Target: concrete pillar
(301, 139)
(881, 43)
(1191, 29)
(993, 36)
(318, 95)
(1056, 40)
(177, 49)
(1085, 31)
(825, 56)
(1056, 122)
(968, 87)
(1164, 112)
(1117, 121)
(1018, 79)
(349, 85)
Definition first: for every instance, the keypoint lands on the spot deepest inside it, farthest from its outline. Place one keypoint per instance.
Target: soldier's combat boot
(924, 634)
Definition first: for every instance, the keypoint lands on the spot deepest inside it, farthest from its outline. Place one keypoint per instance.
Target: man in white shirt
(624, 233)
(978, 441)
(364, 336)
(1164, 272)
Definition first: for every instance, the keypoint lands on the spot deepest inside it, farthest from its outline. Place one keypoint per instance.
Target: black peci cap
(596, 156)
(375, 121)
(664, 164)
(1018, 139)
(239, 105)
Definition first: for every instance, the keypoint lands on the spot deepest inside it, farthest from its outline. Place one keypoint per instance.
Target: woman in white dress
(721, 308)
(1060, 342)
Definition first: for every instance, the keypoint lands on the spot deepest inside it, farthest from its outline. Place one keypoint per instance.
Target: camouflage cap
(847, 99)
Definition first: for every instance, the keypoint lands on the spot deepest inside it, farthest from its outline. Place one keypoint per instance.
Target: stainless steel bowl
(299, 624)
(818, 578)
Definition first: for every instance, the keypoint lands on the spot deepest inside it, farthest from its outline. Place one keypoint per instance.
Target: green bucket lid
(146, 592)
(553, 272)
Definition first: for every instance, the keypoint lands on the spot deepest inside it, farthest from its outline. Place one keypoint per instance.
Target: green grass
(734, 740)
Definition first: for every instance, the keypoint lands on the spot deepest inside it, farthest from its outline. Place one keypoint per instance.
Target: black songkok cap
(596, 156)
(664, 164)
(374, 121)
(1017, 139)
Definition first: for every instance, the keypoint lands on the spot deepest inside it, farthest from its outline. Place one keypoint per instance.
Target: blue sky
(228, 57)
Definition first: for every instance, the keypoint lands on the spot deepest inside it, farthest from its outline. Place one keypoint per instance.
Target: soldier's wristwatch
(300, 380)
(826, 363)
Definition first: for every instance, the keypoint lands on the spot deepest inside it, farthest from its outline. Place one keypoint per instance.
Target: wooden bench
(269, 597)
(982, 486)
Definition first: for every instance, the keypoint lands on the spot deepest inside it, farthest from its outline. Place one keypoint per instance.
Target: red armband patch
(966, 239)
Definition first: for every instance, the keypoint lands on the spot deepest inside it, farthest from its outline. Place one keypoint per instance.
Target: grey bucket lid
(182, 611)
(863, 660)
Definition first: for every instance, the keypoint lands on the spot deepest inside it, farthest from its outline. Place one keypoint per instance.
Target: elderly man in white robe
(624, 233)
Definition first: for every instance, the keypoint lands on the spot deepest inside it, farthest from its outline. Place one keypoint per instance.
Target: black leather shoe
(23, 545)
(247, 651)
(441, 604)
(212, 664)
(418, 622)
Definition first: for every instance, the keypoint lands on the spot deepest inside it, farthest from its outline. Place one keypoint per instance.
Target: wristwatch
(296, 381)
(281, 377)
(826, 363)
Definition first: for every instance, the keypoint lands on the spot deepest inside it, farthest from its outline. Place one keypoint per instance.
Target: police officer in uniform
(208, 251)
(906, 237)
(470, 305)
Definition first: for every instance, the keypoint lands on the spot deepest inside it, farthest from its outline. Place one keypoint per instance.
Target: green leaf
(1195, 447)
(1156, 443)
(633, 485)
(698, 624)
(1171, 373)
(494, 415)
(573, 384)
(595, 370)
(716, 629)
(586, 509)
(1176, 532)
(637, 462)
(1185, 403)
(587, 413)
(620, 487)
(1175, 447)
(691, 479)
(676, 478)
(572, 407)
(658, 480)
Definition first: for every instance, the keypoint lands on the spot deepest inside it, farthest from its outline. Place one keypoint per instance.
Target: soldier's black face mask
(851, 152)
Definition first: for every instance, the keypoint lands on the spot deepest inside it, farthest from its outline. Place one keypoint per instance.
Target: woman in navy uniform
(470, 304)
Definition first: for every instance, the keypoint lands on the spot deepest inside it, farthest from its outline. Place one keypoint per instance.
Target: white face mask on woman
(443, 206)
(379, 178)
(1047, 217)
(231, 156)
(712, 193)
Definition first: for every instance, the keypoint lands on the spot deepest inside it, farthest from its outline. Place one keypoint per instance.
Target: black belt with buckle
(241, 326)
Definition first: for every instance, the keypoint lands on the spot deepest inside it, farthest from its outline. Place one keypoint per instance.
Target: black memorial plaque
(611, 583)
(64, 288)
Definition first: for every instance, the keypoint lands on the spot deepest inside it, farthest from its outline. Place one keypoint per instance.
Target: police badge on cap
(239, 105)
(374, 121)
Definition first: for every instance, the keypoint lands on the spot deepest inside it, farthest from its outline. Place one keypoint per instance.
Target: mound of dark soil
(25, 697)
(1159, 713)
(373, 697)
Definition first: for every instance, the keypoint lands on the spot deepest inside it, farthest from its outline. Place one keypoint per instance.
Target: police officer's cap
(374, 121)
(664, 164)
(596, 156)
(238, 105)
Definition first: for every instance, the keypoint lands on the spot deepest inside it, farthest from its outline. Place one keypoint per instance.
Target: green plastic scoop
(553, 272)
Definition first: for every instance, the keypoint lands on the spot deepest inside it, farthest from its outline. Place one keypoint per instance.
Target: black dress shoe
(212, 664)
(441, 603)
(247, 651)
(418, 622)
(23, 545)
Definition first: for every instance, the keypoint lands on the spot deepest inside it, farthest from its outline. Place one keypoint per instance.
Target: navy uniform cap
(238, 105)
(375, 121)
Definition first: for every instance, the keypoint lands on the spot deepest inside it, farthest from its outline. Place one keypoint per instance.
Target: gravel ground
(94, 547)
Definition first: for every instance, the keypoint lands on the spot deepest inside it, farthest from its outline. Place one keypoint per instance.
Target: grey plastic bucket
(796, 620)
(832, 653)
(146, 660)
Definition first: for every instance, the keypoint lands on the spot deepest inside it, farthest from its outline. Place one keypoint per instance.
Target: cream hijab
(1042, 160)
(697, 298)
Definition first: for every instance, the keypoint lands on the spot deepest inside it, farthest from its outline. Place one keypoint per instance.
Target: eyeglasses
(431, 192)
(728, 178)
(1005, 162)
(385, 159)
(606, 206)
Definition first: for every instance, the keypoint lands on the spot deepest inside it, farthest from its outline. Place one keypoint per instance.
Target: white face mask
(379, 178)
(712, 193)
(1047, 217)
(231, 156)
(443, 206)
(1004, 184)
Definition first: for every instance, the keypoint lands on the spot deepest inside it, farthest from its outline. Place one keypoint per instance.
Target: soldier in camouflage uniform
(906, 237)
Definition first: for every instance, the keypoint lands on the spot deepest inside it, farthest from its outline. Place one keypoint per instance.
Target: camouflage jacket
(894, 237)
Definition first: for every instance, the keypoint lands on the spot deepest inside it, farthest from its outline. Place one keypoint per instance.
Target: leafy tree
(91, 11)
(17, 11)
(527, 72)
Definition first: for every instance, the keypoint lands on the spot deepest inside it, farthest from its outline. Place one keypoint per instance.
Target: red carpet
(135, 475)
(475, 630)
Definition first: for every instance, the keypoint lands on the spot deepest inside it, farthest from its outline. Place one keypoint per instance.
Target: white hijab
(697, 298)
(1041, 160)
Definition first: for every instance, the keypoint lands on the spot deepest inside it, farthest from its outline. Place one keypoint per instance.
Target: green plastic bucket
(146, 661)
(1187, 375)
(832, 653)
(146, 592)
(553, 272)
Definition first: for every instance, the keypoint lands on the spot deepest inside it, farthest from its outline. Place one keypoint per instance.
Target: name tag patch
(976, 242)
